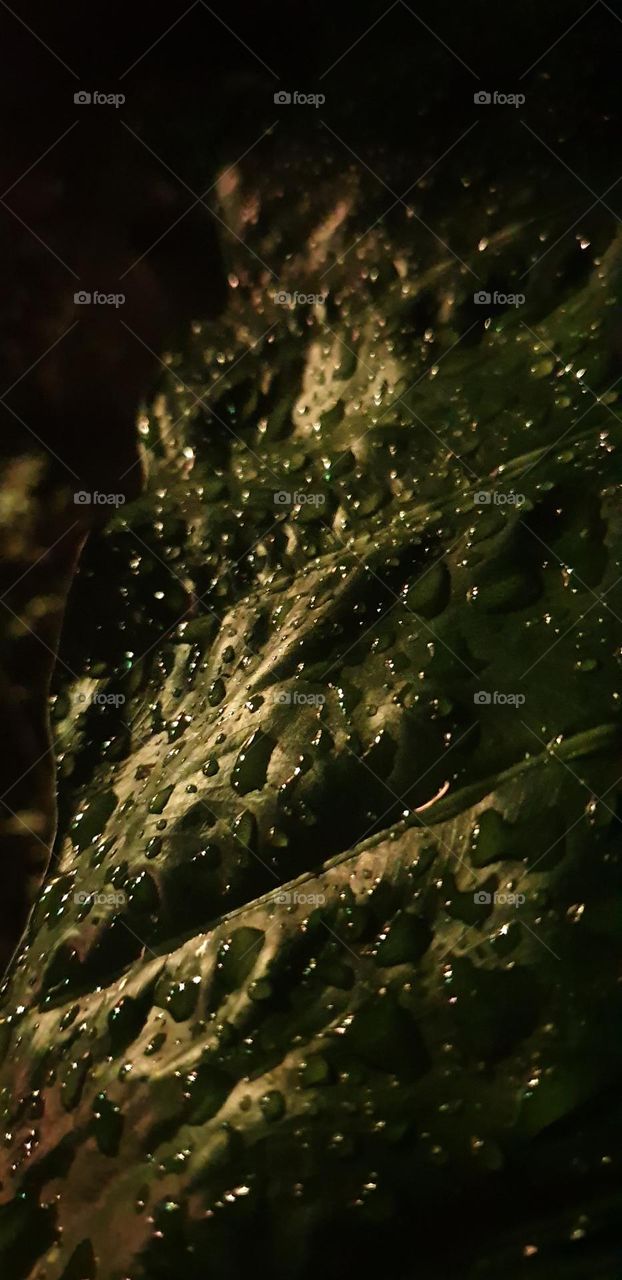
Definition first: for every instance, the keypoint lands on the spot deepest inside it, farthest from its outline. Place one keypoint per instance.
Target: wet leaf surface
(333, 936)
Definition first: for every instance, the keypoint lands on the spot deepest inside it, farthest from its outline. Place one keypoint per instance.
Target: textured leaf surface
(331, 948)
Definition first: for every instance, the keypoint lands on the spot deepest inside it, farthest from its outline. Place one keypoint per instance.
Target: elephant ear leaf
(331, 939)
